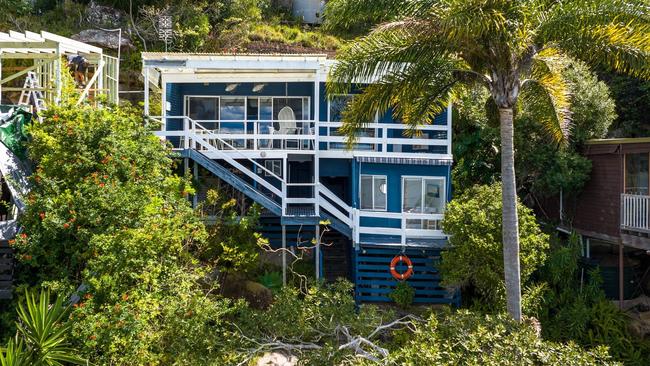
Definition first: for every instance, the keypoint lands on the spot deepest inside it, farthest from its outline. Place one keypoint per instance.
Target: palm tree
(427, 51)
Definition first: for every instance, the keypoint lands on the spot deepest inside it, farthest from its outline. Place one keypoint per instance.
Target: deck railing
(635, 212)
(253, 135)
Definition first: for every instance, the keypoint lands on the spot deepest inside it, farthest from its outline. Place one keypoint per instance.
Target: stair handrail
(216, 137)
(341, 213)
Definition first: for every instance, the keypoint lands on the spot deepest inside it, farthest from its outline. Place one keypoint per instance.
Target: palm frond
(547, 95)
(614, 34)
(345, 14)
(416, 94)
(380, 53)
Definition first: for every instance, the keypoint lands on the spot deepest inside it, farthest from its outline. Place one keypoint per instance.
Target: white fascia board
(254, 64)
(237, 77)
(71, 43)
(345, 154)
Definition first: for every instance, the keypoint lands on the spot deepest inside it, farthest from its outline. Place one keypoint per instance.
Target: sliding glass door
(423, 195)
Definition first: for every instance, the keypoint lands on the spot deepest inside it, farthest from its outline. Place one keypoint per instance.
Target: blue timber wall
(374, 283)
(371, 263)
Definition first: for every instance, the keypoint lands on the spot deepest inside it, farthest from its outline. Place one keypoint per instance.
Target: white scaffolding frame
(46, 51)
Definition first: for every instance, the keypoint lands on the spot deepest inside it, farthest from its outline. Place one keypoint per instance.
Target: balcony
(258, 136)
(635, 213)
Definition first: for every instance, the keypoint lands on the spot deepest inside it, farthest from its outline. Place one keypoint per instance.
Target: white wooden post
(57, 77)
(146, 91)
(316, 119)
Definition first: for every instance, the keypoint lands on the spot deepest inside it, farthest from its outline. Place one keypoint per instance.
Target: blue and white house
(265, 125)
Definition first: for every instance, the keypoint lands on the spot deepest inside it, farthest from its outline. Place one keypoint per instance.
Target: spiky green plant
(425, 52)
(14, 354)
(43, 329)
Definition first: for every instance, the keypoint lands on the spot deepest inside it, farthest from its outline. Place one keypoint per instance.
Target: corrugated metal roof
(184, 55)
(630, 140)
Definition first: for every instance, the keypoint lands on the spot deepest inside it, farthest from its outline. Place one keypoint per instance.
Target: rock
(103, 39)
(277, 359)
(104, 16)
(236, 286)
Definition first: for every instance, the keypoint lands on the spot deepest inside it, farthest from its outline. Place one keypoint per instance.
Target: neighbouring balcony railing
(635, 212)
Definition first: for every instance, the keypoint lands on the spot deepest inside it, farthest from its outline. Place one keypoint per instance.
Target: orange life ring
(407, 261)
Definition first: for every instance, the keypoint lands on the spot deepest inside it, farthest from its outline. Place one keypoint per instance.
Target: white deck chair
(287, 125)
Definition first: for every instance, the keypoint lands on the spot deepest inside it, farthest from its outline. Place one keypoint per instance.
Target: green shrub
(271, 280)
(576, 309)
(474, 259)
(403, 294)
(465, 338)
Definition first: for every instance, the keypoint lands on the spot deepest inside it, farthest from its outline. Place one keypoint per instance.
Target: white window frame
(374, 206)
(305, 98)
(422, 180)
(274, 166)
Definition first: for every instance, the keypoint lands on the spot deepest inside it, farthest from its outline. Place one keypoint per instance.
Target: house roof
(616, 141)
(16, 43)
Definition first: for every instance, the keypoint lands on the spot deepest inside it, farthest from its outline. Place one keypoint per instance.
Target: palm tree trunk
(510, 221)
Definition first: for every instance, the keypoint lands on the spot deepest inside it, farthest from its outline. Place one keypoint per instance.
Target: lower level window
(423, 195)
(373, 192)
(274, 166)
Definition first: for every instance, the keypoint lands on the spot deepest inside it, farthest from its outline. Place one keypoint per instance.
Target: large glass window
(636, 173)
(373, 192)
(423, 195)
(233, 109)
(204, 108)
(283, 108)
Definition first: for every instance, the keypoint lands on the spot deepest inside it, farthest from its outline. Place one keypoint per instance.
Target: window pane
(379, 188)
(412, 195)
(266, 109)
(252, 109)
(280, 104)
(366, 192)
(636, 173)
(414, 224)
(434, 201)
(204, 108)
(337, 105)
(233, 109)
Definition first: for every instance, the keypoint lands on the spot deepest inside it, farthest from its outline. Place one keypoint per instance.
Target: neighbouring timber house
(612, 214)
(265, 125)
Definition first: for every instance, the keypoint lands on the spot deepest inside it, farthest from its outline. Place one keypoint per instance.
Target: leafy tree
(106, 210)
(632, 105)
(475, 256)
(466, 338)
(233, 243)
(97, 171)
(427, 49)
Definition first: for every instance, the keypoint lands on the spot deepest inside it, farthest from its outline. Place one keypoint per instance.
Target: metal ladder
(32, 93)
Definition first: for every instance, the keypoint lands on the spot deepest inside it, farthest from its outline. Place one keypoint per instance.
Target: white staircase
(322, 203)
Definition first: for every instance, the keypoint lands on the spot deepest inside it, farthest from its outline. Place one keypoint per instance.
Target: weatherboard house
(264, 125)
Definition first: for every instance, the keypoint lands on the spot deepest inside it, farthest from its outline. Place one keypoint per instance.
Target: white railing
(403, 231)
(245, 134)
(635, 212)
(375, 137)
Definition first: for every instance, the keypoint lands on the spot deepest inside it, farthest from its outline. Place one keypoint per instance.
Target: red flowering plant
(95, 172)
